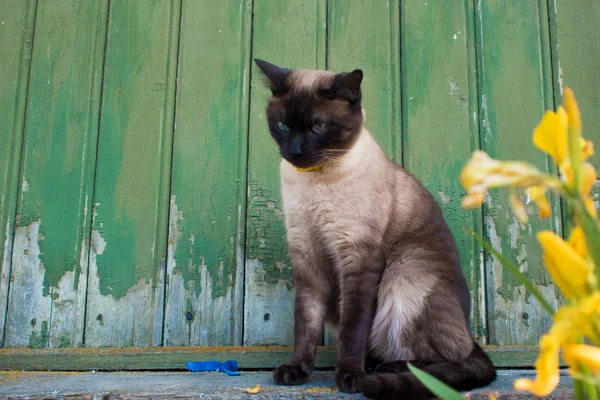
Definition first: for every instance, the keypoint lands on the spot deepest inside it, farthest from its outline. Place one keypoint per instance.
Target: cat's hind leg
(474, 371)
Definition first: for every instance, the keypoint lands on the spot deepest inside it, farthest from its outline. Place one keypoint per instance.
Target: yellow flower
(546, 367)
(573, 275)
(538, 196)
(518, 207)
(569, 323)
(576, 354)
(577, 242)
(483, 172)
(552, 135)
(572, 109)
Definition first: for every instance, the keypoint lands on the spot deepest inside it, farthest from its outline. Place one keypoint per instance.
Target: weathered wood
(167, 358)
(204, 297)
(128, 250)
(49, 263)
(374, 48)
(290, 34)
(577, 51)
(17, 19)
(512, 80)
(440, 129)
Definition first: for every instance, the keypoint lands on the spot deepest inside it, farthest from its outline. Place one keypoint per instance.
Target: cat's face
(314, 116)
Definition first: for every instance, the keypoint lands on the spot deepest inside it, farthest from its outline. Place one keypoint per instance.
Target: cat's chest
(330, 209)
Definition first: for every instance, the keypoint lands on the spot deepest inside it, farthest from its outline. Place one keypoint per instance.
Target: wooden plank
(174, 358)
(299, 42)
(373, 45)
(129, 237)
(16, 26)
(49, 263)
(204, 297)
(440, 121)
(577, 54)
(512, 60)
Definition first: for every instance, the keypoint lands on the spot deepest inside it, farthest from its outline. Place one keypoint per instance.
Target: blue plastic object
(229, 367)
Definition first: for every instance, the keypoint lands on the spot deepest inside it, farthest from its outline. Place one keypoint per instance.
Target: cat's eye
(319, 128)
(282, 127)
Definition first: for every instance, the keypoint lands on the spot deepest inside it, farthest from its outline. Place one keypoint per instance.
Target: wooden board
(440, 125)
(129, 239)
(174, 358)
(17, 19)
(375, 48)
(577, 51)
(204, 297)
(513, 72)
(290, 34)
(49, 262)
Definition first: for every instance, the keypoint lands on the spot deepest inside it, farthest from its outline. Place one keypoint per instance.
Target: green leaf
(437, 387)
(515, 271)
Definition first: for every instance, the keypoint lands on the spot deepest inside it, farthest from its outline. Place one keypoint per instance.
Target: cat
(371, 252)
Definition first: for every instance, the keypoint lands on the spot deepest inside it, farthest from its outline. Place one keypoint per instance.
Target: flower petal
(568, 269)
(546, 367)
(572, 109)
(587, 149)
(589, 178)
(577, 241)
(589, 356)
(551, 135)
(538, 196)
(472, 200)
(518, 207)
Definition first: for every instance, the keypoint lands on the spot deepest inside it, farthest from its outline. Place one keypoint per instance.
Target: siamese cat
(371, 252)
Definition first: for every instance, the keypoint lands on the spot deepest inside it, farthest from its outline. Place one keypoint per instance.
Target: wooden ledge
(174, 358)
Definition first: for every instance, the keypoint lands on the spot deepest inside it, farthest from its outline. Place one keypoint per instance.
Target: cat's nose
(295, 148)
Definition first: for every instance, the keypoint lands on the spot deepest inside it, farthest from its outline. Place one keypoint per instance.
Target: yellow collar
(309, 169)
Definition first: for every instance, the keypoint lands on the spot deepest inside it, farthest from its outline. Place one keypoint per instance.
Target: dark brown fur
(371, 252)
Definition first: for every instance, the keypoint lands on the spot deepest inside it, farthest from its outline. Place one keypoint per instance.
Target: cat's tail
(474, 371)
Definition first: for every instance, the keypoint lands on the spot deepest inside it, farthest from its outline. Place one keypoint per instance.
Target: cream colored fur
(339, 200)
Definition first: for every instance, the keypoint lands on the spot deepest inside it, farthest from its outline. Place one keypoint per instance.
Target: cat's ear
(346, 86)
(276, 76)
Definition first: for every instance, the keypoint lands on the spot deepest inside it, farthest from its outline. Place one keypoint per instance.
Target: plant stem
(590, 388)
(577, 389)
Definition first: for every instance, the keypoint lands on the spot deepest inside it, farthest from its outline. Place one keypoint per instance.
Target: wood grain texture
(290, 34)
(49, 262)
(174, 358)
(204, 298)
(440, 121)
(577, 51)
(128, 250)
(17, 24)
(374, 48)
(513, 76)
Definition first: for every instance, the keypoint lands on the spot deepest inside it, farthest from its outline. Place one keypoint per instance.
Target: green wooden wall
(139, 193)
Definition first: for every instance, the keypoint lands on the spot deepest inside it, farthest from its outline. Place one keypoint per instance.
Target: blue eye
(319, 128)
(282, 127)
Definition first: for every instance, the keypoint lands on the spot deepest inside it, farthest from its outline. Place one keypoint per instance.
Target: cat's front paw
(349, 379)
(290, 375)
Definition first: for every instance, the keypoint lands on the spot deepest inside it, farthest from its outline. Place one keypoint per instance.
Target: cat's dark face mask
(314, 116)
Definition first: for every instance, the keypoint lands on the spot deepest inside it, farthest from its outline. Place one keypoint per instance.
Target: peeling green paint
(266, 236)
(60, 133)
(207, 167)
(129, 183)
(39, 340)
